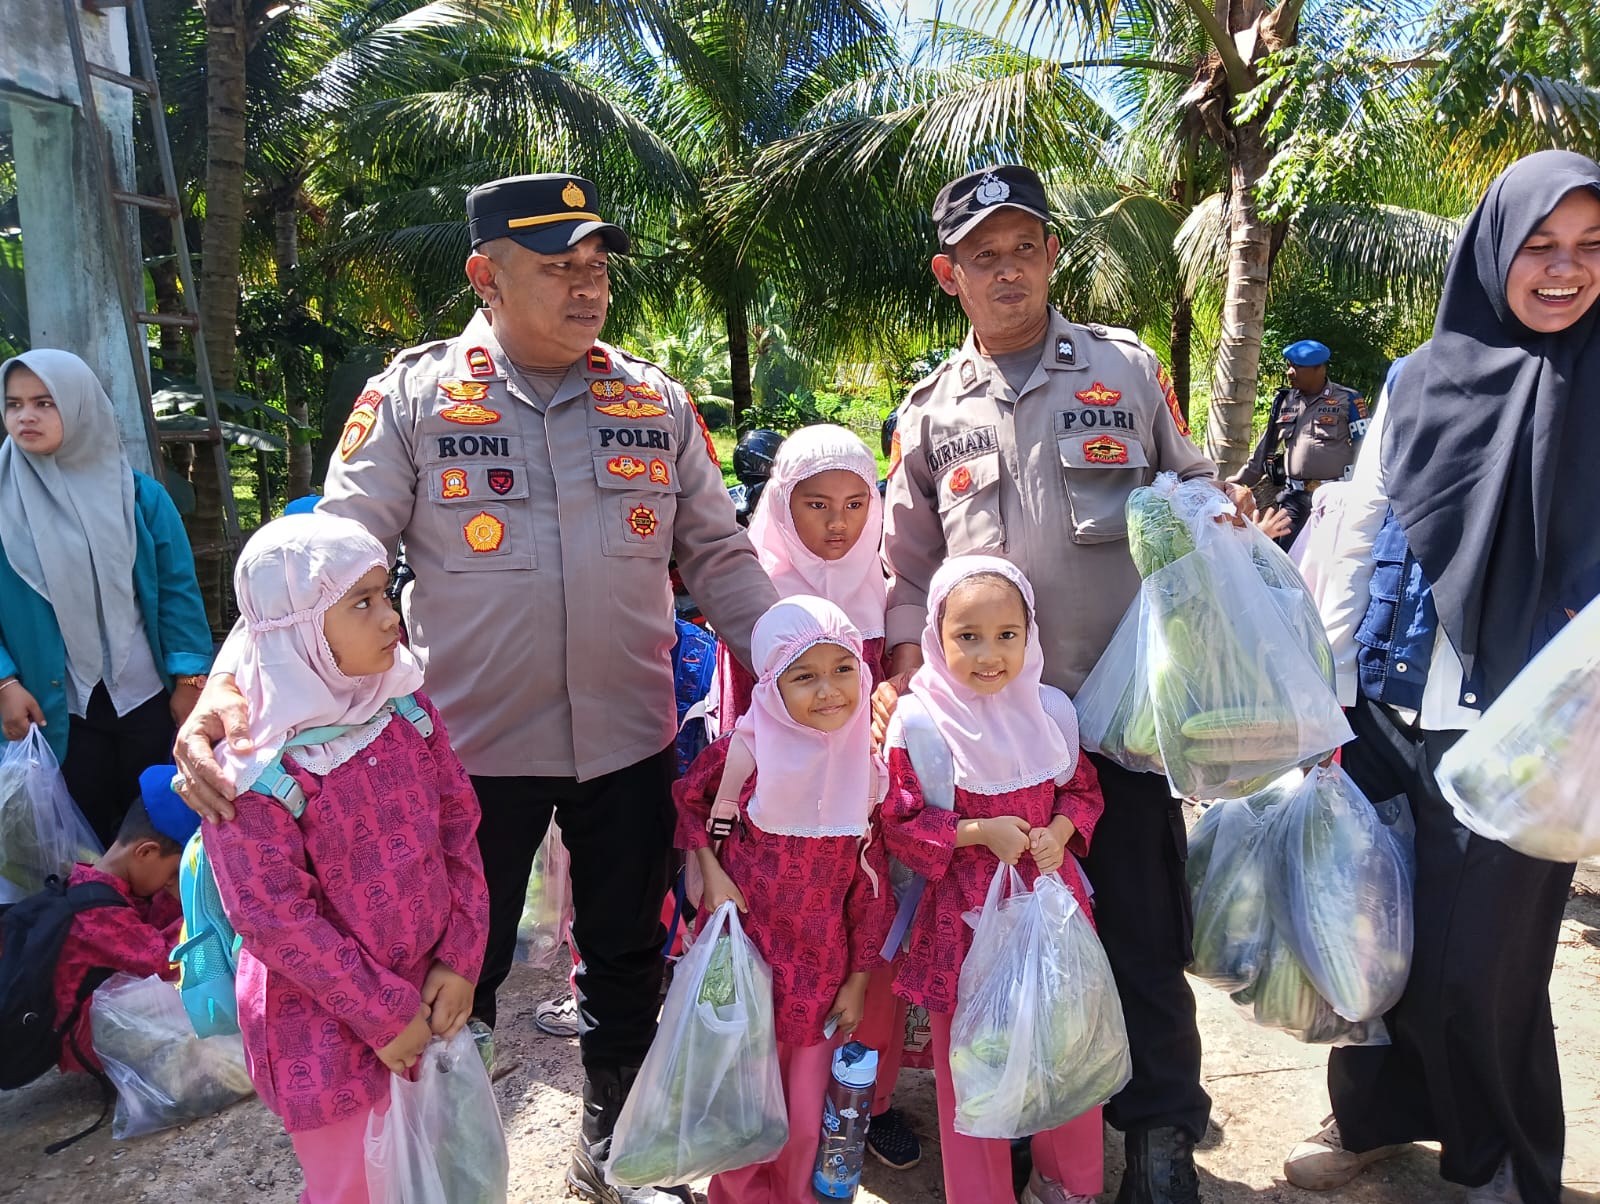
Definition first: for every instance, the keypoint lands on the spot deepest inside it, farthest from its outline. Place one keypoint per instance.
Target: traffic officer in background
(1312, 435)
(541, 480)
(1026, 444)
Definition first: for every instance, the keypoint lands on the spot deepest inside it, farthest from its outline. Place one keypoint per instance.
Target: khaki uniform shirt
(1317, 434)
(540, 535)
(1040, 477)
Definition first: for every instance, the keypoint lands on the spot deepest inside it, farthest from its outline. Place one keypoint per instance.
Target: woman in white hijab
(103, 638)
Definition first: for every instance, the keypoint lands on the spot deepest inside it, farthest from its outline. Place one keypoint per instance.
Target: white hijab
(67, 520)
(854, 582)
(289, 575)
(1025, 734)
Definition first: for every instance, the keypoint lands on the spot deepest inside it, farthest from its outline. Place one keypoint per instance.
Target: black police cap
(965, 202)
(545, 213)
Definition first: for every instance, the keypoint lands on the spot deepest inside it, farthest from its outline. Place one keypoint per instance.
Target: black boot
(1160, 1168)
(604, 1090)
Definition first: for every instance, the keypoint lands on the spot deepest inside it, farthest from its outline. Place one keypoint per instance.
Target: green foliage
(1362, 335)
(788, 412)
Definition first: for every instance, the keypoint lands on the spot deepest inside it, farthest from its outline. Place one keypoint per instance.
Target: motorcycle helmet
(753, 455)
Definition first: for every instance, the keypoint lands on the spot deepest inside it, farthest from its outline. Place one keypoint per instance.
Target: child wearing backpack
(118, 915)
(1023, 795)
(363, 920)
(797, 858)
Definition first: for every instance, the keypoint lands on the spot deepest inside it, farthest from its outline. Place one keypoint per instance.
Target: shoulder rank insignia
(453, 483)
(1105, 450)
(484, 532)
(659, 473)
(1065, 352)
(478, 362)
(363, 417)
(464, 390)
(626, 467)
(1098, 395)
(470, 413)
(632, 407)
(969, 374)
(599, 360)
(643, 521)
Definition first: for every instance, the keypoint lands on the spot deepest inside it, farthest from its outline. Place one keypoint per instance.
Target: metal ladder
(130, 282)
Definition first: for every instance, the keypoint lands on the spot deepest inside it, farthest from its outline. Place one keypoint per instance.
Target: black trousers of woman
(1473, 1065)
(106, 753)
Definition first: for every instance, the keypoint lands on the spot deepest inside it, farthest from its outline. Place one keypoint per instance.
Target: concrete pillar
(73, 301)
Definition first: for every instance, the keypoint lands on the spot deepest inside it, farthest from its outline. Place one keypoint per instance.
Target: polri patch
(642, 520)
(453, 483)
(964, 445)
(470, 413)
(627, 436)
(363, 417)
(1098, 395)
(464, 390)
(631, 408)
(644, 392)
(1103, 449)
(659, 473)
(484, 532)
(626, 467)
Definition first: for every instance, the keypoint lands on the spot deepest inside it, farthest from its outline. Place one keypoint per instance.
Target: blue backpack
(209, 952)
(694, 660)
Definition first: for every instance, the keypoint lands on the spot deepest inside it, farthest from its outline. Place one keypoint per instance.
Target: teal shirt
(164, 586)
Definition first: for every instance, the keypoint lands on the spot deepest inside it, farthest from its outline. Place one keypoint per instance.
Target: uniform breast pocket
(480, 513)
(638, 501)
(969, 505)
(1100, 472)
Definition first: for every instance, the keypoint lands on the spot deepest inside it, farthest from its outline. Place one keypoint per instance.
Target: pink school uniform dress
(1014, 753)
(814, 875)
(344, 910)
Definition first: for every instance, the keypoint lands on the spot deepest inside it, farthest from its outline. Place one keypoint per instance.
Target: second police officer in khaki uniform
(541, 479)
(1026, 444)
(1313, 433)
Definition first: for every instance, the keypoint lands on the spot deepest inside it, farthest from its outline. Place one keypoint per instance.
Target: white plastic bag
(1524, 774)
(1038, 1035)
(1238, 697)
(709, 1097)
(1340, 894)
(163, 1073)
(1227, 871)
(441, 1141)
(1115, 717)
(1282, 997)
(42, 832)
(547, 910)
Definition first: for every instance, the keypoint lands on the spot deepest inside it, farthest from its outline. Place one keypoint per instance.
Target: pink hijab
(290, 573)
(855, 581)
(1025, 734)
(808, 783)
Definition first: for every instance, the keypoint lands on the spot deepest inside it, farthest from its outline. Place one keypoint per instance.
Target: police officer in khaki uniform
(1313, 433)
(541, 479)
(1026, 444)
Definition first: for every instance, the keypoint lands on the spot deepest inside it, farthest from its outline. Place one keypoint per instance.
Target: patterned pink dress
(924, 839)
(814, 914)
(344, 913)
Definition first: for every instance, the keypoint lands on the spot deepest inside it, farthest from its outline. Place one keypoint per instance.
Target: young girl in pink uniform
(817, 531)
(1024, 795)
(811, 884)
(364, 921)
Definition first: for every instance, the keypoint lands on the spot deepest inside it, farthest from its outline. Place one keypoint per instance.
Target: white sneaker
(1502, 1189)
(1047, 1191)
(1321, 1163)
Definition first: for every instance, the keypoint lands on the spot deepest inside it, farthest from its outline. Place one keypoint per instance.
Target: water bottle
(846, 1113)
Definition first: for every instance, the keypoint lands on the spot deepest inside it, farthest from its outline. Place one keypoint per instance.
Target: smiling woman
(1555, 276)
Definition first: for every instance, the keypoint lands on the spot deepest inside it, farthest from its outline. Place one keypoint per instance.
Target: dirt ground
(1269, 1092)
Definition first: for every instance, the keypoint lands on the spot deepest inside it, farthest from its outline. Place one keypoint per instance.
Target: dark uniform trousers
(1145, 921)
(1473, 1064)
(618, 831)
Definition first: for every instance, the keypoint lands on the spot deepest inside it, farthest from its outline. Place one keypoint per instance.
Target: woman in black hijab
(1483, 540)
